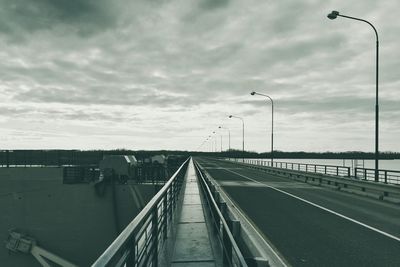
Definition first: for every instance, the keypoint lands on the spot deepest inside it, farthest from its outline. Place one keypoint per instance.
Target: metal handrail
(387, 176)
(224, 233)
(334, 170)
(139, 242)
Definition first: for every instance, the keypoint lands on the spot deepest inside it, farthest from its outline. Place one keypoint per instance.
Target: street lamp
(232, 116)
(215, 142)
(272, 125)
(229, 136)
(334, 15)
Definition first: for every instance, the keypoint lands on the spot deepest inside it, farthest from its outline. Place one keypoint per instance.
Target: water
(393, 165)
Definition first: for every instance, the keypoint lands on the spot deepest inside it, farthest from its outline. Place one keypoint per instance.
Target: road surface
(311, 225)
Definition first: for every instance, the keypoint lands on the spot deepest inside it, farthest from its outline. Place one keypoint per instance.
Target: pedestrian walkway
(192, 244)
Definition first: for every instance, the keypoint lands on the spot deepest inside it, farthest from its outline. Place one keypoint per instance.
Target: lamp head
(219, 127)
(333, 15)
(230, 116)
(253, 93)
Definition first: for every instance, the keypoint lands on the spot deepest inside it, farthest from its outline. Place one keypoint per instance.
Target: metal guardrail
(232, 256)
(313, 168)
(386, 176)
(139, 243)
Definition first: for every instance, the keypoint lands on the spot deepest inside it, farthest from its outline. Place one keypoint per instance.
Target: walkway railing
(313, 168)
(140, 242)
(232, 256)
(386, 176)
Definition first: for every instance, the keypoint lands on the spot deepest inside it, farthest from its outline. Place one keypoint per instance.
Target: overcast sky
(159, 74)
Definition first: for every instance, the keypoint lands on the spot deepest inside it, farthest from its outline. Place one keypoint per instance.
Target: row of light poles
(240, 118)
(332, 15)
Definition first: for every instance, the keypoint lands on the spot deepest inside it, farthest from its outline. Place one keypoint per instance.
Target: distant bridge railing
(386, 176)
(140, 242)
(313, 168)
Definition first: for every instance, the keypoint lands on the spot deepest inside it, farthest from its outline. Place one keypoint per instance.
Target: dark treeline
(93, 157)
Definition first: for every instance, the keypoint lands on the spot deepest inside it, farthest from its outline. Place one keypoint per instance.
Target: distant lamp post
(232, 116)
(215, 142)
(334, 15)
(229, 136)
(272, 126)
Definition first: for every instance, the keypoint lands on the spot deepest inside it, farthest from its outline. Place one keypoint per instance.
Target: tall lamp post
(334, 15)
(215, 141)
(229, 136)
(272, 126)
(232, 116)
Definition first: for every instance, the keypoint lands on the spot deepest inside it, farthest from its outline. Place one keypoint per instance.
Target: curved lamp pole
(272, 126)
(334, 15)
(232, 116)
(229, 136)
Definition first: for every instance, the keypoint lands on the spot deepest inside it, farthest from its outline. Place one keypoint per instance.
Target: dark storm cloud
(213, 4)
(18, 17)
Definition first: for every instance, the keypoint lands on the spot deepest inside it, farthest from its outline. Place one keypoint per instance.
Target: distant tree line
(93, 157)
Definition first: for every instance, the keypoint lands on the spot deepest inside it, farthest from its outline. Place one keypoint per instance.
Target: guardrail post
(306, 167)
(165, 215)
(227, 249)
(130, 261)
(348, 172)
(365, 174)
(385, 176)
(154, 243)
(337, 171)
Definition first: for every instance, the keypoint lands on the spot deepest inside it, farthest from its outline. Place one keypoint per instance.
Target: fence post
(154, 222)
(165, 215)
(227, 249)
(130, 261)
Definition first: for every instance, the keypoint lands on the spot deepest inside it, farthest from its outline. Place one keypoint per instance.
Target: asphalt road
(311, 225)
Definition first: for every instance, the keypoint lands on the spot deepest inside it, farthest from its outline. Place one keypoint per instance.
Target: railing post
(131, 260)
(154, 222)
(348, 172)
(365, 174)
(337, 171)
(227, 249)
(165, 216)
(306, 167)
(385, 176)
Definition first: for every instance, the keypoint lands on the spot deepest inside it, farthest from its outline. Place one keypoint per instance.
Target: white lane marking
(323, 208)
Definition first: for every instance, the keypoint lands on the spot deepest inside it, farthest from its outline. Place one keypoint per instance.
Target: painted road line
(321, 207)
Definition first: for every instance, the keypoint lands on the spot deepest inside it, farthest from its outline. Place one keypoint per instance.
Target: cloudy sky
(164, 74)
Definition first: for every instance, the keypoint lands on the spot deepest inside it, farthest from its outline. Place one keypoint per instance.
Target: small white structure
(160, 159)
(122, 165)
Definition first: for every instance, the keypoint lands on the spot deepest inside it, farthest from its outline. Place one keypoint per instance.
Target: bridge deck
(311, 225)
(192, 245)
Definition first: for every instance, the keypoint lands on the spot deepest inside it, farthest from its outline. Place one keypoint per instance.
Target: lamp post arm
(363, 20)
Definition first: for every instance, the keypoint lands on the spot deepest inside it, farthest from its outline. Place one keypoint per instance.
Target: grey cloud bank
(165, 74)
